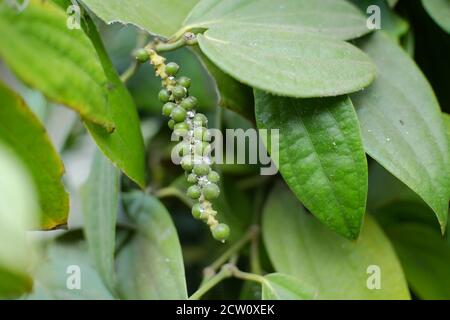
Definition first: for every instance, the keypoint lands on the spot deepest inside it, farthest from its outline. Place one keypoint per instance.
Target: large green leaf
(439, 10)
(425, 257)
(402, 126)
(299, 246)
(63, 261)
(100, 206)
(22, 132)
(232, 94)
(320, 156)
(62, 63)
(150, 266)
(338, 19)
(278, 286)
(292, 63)
(157, 17)
(18, 209)
(125, 146)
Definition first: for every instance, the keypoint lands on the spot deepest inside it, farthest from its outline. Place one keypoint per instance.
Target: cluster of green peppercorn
(195, 148)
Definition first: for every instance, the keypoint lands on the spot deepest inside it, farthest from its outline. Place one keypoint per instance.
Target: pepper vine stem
(210, 271)
(227, 271)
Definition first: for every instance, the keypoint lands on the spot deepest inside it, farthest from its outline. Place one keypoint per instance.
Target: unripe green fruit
(164, 96)
(187, 163)
(178, 114)
(189, 103)
(142, 55)
(192, 178)
(194, 192)
(181, 129)
(185, 82)
(171, 124)
(172, 68)
(197, 211)
(213, 177)
(202, 134)
(202, 148)
(221, 232)
(185, 148)
(211, 191)
(200, 120)
(179, 92)
(168, 108)
(201, 169)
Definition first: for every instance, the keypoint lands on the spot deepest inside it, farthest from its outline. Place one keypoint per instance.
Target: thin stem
(160, 46)
(134, 66)
(234, 248)
(247, 276)
(174, 192)
(131, 70)
(224, 273)
(255, 263)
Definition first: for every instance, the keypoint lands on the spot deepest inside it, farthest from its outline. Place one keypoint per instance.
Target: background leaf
(100, 206)
(23, 133)
(125, 146)
(62, 63)
(320, 156)
(52, 273)
(18, 210)
(425, 257)
(291, 63)
(402, 126)
(439, 10)
(337, 19)
(299, 246)
(283, 287)
(157, 17)
(150, 266)
(391, 23)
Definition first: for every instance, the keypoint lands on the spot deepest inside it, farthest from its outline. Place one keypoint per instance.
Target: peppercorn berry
(201, 169)
(213, 177)
(172, 68)
(164, 96)
(142, 55)
(192, 178)
(211, 191)
(197, 211)
(221, 232)
(171, 124)
(179, 92)
(178, 114)
(200, 120)
(181, 129)
(189, 103)
(185, 82)
(194, 192)
(167, 108)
